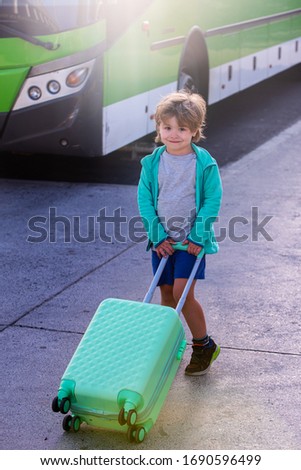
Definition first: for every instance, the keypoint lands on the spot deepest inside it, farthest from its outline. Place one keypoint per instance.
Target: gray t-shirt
(176, 199)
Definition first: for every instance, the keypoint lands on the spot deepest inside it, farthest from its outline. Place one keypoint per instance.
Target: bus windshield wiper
(27, 37)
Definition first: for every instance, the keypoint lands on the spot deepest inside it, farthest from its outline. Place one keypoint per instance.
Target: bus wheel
(193, 72)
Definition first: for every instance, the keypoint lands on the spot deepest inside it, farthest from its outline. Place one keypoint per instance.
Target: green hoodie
(208, 199)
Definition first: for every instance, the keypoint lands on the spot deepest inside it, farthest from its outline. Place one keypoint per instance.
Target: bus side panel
(254, 56)
(296, 31)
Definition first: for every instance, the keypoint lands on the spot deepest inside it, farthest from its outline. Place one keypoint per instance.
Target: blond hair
(188, 108)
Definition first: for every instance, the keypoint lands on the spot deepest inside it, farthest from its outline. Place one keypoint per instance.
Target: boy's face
(177, 139)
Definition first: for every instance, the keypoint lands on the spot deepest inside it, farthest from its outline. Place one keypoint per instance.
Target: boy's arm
(211, 202)
(149, 216)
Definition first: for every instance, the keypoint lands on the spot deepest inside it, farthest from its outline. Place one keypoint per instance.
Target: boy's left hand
(192, 249)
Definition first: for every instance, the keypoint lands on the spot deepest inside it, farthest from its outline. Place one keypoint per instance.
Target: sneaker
(202, 358)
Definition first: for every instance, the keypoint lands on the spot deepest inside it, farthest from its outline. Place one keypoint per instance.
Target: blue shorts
(179, 265)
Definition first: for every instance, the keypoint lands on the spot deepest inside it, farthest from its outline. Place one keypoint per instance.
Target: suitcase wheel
(71, 423)
(67, 423)
(140, 434)
(65, 405)
(130, 419)
(136, 434)
(55, 405)
(121, 417)
(75, 423)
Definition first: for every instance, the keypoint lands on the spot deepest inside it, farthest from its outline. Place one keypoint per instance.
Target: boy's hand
(192, 248)
(165, 248)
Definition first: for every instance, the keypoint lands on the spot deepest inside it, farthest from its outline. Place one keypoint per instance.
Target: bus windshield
(39, 17)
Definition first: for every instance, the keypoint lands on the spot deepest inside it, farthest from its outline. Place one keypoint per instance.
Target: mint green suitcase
(121, 371)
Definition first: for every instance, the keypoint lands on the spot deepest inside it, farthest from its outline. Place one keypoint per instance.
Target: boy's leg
(192, 310)
(167, 298)
(205, 350)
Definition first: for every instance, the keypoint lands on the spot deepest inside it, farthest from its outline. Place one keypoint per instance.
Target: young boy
(179, 197)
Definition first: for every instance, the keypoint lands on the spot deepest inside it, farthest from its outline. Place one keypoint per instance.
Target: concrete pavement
(251, 397)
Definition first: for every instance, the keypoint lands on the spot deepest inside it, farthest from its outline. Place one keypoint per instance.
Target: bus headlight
(77, 77)
(39, 88)
(53, 87)
(35, 93)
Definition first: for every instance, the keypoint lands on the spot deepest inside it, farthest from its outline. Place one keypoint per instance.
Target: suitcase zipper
(163, 378)
(87, 411)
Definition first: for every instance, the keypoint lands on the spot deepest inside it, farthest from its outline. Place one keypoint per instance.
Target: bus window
(117, 23)
(39, 17)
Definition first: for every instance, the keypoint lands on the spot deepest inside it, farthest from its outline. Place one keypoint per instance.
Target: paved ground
(250, 399)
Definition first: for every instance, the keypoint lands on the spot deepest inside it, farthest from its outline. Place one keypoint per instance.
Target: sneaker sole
(203, 372)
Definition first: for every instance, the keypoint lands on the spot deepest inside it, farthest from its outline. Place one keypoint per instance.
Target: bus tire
(194, 64)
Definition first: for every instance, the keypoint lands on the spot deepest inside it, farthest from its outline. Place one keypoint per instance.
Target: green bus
(82, 77)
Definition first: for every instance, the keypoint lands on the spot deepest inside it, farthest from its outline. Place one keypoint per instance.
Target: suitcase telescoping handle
(149, 295)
